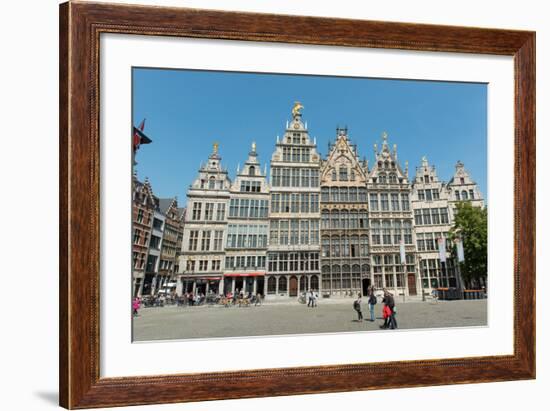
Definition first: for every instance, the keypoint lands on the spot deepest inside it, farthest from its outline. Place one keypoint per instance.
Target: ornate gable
(386, 168)
(342, 164)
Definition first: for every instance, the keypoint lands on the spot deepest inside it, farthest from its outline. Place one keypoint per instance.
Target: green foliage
(471, 225)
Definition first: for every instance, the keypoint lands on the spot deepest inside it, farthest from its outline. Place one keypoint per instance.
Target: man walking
(372, 303)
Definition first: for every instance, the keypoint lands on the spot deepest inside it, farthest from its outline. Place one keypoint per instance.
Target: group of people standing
(388, 308)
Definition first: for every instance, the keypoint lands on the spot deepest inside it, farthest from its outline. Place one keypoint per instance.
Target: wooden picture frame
(80, 27)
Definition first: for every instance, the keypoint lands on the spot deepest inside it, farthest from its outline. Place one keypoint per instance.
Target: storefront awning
(252, 274)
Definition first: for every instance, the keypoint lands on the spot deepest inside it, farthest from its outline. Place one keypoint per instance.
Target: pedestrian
(258, 299)
(315, 297)
(357, 307)
(372, 303)
(310, 298)
(136, 304)
(388, 311)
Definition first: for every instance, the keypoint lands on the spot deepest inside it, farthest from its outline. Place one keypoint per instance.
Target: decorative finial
(238, 168)
(395, 148)
(297, 109)
(375, 148)
(253, 146)
(277, 138)
(385, 136)
(407, 168)
(215, 147)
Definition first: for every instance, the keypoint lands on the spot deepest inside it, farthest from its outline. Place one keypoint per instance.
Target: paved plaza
(172, 322)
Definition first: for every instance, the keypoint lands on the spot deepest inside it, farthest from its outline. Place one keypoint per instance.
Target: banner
(402, 252)
(442, 250)
(460, 250)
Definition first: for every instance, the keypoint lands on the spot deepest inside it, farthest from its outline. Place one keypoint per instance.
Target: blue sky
(186, 111)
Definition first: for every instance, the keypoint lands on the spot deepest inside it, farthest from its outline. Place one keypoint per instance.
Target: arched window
(251, 171)
(334, 219)
(335, 243)
(325, 219)
(344, 219)
(271, 285)
(314, 282)
(346, 277)
(325, 247)
(334, 178)
(212, 183)
(324, 194)
(464, 195)
(382, 178)
(393, 179)
(336, 277)
(282, 285)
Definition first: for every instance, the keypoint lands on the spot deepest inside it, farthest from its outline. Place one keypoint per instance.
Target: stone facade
(293, 253)
(334, 225)
(391, 224)
(143, 209)
(202, 258)
(247, 229)
(345, 261)
(433, 204)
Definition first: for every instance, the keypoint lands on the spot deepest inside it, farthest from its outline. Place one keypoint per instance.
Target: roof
(164, 204)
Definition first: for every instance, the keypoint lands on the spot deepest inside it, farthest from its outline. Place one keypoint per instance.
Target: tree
(470, 225)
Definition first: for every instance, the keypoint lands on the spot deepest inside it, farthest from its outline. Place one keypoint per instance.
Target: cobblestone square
(172, 322)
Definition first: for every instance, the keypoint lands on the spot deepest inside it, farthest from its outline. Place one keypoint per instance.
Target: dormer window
(212, 183)
(251, 171)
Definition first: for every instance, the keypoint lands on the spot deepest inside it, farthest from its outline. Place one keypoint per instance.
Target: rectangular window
(435, 194)
(405, 202)
(435, 216)
(193, 240)
(428, 195)
(295, 177)
(444, 216)
(314, 178)
(426, 216)
(373, 202)
(418, 217)
(215, 265)
(286, 177)
(395, 202)
(197, 211)
(203, 265)
(421, 196)
(205, 241)
(285, 205)
(209, 211)
(384, 202)
(305, 177)
(218, 238)
(220, 214)
(314, 206)
(284, 232)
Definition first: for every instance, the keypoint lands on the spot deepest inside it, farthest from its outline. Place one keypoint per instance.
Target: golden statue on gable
(297, 109)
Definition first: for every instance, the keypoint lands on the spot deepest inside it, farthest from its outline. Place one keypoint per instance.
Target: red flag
(139, 137)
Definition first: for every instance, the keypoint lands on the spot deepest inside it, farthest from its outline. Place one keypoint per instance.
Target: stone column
(220, 287)
(233, 285)
(179, 286)
(255, 291)
(207, 287)
(194, 291)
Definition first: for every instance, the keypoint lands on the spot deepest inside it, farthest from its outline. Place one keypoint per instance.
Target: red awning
(202, 278)
(252, 274)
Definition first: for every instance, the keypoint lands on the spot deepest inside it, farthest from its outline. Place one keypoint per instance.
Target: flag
(460, 250)
(139, 136)
(442, 249)
(402, 251)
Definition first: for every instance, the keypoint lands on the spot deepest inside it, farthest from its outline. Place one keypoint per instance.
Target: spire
(424, 161)
(238, 168)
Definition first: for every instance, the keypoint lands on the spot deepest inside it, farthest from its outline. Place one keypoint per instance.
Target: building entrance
(366, 285)
(293, 290)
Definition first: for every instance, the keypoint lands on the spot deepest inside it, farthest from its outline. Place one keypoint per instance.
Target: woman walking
(357, 307)
(136, 304)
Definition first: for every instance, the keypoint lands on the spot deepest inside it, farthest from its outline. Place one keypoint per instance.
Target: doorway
(412, 284)
(365, 285)
(293, 290)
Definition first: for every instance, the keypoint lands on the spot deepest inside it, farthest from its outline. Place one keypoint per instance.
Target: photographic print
(281, 204)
